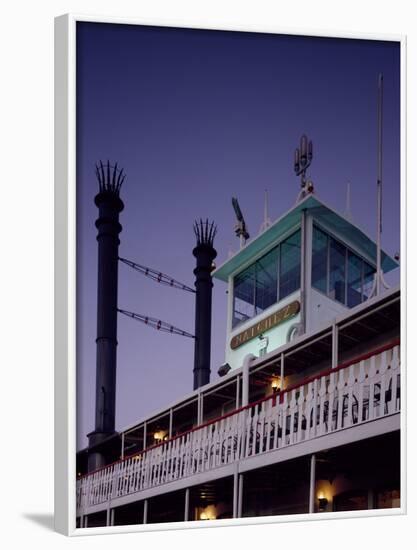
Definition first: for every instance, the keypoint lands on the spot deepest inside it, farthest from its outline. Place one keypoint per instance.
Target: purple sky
(196, 117)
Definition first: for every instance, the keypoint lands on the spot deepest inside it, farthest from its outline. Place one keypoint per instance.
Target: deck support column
(370, 499)
(235, 493)
(335, 345)
(281, 383)
(145, 511)
(170, 422)
(187, 505)
(312, 484)
(245, 378)
(199, 408)
(122, 455)
(240, 497)
(303, 271)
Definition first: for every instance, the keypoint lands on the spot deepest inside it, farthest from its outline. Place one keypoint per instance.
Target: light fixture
(159, 436)
(224, 369)
(208, 513)
(276, 383)
(323, 501)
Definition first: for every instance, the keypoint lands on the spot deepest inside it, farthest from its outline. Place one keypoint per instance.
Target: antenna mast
(379, 276)
(348, 212)
(302, 160)
(240, 227)
(267, 220)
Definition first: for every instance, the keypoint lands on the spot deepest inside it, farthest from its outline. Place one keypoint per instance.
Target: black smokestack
(109, 206)
(205, 254)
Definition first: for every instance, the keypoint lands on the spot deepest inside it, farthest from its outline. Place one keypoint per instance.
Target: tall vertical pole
(204, 253)
(379, 191)
(379, 276)
(109, 206)
(303, 266)
(348, 211)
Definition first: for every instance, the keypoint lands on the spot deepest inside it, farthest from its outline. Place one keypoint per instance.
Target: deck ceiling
(316, 352)
(381, 321)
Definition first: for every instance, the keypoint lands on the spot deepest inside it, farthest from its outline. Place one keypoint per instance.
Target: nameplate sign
(269, 322)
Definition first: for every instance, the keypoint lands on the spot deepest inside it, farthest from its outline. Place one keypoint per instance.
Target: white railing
(346, 396)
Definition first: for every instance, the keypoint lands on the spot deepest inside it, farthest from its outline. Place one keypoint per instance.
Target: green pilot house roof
(320, 212)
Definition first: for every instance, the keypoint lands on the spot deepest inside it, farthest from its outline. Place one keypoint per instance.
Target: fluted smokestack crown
(110, 178)
(205, 232)
(205, 254)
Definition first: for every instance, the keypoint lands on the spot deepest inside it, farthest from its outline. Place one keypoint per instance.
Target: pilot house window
(270, 279)
(338, 272)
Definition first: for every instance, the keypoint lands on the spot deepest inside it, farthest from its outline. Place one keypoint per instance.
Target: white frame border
(65, 273)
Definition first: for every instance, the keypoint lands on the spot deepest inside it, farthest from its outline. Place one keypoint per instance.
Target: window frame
(348, 249)
(261, 255)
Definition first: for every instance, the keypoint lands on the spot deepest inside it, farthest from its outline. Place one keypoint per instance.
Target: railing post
(114, 483)
(312, 484)
(87, 492)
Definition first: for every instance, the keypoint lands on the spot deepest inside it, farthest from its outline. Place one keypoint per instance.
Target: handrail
(274, 397)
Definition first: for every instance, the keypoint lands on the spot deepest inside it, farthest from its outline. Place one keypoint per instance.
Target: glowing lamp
(323, 501)
(276, 384)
